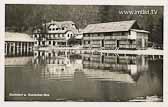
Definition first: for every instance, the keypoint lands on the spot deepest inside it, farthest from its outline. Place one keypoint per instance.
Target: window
(60, 35)
(49, 54)
(49, 42)
(122, 33)
(43, 42)
(63, 28)
(71, 35)
(56, 28)
(84, 42)
(53, 29)
(52, 36)
(56, 35)
(131, 41)
(111, 34)
(68, 35)
(107, 34)
(53, 42)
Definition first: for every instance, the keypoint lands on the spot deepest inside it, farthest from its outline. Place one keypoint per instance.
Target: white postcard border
(85, 2)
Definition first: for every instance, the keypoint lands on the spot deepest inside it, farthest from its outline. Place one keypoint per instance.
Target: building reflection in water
(18, 61)
(116, 67)
(56, 64)
(86, 76)
(109, 67)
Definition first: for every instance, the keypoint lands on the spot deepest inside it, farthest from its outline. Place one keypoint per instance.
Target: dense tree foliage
(23, 18)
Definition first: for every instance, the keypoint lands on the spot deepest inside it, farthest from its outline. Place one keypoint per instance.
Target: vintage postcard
(83, 53)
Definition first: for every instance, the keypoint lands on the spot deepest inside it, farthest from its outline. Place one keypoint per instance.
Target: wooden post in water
(10, 48)
(24, 47)
(153, 57)
(14, 48)
(6, 49)
(159, 56)
(28, 45)
(21, 45)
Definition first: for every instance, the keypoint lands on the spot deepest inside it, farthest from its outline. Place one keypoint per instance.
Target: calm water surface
(82, 77)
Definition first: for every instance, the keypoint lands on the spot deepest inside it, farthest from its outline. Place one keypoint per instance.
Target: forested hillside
(23, 18)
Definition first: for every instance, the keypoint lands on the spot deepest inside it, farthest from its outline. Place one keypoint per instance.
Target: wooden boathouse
(115, 35)
(18, 44)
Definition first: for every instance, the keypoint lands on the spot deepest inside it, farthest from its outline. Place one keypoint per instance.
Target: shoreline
(148, 51)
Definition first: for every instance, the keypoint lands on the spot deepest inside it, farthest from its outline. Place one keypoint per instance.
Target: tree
(25, 17)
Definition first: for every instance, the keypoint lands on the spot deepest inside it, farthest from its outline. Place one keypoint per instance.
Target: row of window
(49, 35)
(107, 34)
(49, 61)
(102, 41)
(50, 43)
(53, 36)
(53, 29)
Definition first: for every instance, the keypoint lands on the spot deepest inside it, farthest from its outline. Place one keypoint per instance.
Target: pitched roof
(142, 31)
(60, 24)
(13, 36)
(110, 27)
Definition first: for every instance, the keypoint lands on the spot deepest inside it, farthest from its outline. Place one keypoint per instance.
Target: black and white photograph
(83, 53)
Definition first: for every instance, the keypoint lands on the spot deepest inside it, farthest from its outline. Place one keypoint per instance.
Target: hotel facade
(115, 35)
(55, 33)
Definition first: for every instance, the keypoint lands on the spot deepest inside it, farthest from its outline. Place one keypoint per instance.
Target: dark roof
(13, 36)
(110, 26)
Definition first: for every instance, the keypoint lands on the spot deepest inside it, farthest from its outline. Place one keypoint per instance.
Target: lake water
(68, 76)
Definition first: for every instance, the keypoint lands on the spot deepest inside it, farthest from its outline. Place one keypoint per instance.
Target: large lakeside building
(55, 33)
(115, 35)
(18, 44)
(111, 35)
